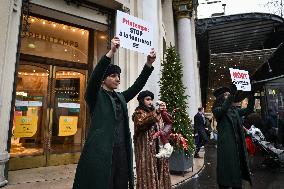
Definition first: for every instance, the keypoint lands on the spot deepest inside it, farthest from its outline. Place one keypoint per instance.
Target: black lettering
(65, 42)
(135, 45)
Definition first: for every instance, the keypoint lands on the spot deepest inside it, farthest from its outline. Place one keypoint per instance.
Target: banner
(25, 126)
(134, 33)
(67, 125)
(241, 79)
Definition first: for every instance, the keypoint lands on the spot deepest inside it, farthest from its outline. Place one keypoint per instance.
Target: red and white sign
(241, 79)
(134, 33)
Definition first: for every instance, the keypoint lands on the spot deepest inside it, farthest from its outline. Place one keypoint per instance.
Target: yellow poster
(67, 125)
(25, 126)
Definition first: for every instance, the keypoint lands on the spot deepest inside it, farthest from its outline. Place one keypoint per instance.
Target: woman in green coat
(232, 164)
(106, 161)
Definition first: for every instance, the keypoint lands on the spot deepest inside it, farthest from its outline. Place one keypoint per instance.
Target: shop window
(55, 40)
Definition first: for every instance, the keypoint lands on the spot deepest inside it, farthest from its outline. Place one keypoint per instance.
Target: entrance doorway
(49, 116)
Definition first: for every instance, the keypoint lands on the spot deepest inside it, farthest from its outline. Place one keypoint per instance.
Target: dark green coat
(94, 167)
(229, 156)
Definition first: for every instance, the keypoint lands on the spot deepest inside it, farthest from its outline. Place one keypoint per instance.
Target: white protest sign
(134, 33)
(241, 79)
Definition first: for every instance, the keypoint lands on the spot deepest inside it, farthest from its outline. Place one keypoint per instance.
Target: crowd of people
(106, 160)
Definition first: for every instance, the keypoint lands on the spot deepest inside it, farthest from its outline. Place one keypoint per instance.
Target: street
(262, 178)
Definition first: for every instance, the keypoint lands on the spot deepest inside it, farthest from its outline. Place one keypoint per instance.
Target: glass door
(49, 116)
(68, 115)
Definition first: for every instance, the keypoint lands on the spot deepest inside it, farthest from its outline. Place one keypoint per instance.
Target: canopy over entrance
(243, 41)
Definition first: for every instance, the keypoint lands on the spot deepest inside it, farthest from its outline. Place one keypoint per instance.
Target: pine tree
(172, 91)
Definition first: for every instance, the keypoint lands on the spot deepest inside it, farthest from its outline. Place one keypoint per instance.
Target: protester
(152, 173)
(232, 165)
(199, 130)
(106, 159)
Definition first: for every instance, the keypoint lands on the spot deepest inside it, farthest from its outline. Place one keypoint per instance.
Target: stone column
(185, 26)
(10, 13)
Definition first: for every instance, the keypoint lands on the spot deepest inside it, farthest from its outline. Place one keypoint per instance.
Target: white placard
(241, 79)
(68, 105)
(134, 33)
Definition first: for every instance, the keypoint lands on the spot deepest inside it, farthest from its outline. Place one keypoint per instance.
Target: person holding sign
(232, 165)
(106, 159)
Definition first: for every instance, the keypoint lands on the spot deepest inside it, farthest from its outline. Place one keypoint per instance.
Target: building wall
(10, 12)
(159, 13)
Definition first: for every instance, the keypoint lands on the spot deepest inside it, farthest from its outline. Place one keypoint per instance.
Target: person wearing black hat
(232, 164)
(151, 173)
(106, 159)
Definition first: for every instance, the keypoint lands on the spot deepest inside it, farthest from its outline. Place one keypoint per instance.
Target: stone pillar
(185, 26)
(10, 13)
(168, 20)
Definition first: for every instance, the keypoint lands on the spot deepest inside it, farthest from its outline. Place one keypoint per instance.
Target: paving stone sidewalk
(61, 177)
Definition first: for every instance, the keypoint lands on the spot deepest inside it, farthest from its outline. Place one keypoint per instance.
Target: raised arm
(140, 82)
(218, 112)
(96, 77)
(143, 121)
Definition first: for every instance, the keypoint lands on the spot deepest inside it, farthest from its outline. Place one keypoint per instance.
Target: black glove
(233, 89)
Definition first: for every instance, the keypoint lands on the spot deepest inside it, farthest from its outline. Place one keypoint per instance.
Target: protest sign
(134, 33)
(241, 79)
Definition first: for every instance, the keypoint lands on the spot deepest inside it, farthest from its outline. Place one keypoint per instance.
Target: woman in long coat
(152, 173)
(232, 164)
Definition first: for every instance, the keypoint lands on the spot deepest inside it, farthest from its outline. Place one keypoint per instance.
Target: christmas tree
(172, 92)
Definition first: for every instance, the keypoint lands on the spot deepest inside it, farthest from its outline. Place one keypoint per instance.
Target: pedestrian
(106, 159)
(232, 159)
(199, 130)
(151, 172)
(271, 126)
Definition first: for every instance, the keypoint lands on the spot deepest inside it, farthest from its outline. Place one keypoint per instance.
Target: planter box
(180, 162)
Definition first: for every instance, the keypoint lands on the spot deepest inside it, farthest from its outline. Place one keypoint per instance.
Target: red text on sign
(240, 75)
(134, 25)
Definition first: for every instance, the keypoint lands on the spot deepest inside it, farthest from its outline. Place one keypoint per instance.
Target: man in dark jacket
(106, 161)
(199, 130)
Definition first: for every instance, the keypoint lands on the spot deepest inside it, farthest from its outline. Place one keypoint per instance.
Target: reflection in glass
(54, 40)
(31, 91)
(69, 112)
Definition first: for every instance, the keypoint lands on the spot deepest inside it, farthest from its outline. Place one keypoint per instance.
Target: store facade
(49, 49)
(49, 112)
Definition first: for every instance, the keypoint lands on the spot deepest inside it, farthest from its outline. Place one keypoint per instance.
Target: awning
(273, 68)
(243, 41)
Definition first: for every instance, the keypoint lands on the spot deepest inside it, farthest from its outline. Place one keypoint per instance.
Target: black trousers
(119, 172)
(228, 187)
(202, 139)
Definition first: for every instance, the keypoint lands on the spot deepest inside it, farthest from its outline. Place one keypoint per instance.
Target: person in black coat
(199, 130)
